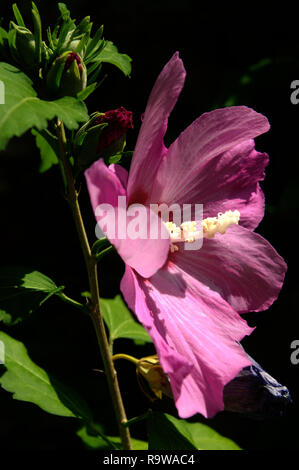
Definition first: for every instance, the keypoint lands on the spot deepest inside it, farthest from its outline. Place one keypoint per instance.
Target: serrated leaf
(23, 109)
(29, 382)
(120, 322)
(97, 442)
(111, 55)
(47, 154)
(179, 434)
(22, 291)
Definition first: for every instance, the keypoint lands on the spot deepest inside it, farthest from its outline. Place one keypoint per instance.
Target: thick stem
(95, 312)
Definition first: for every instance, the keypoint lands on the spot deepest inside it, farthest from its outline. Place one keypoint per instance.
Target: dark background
(219, 48)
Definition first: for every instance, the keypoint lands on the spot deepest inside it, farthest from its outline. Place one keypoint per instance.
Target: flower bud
(255, 393)
(152, 380)
(67, 75)
(112, 138)
(22, 47)
(103, 136)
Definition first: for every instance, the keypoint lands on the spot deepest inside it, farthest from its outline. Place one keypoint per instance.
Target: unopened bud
(103, 136)
(152, 379)
(256, 393)
(113, 137)
(67, 75)
(22, 46)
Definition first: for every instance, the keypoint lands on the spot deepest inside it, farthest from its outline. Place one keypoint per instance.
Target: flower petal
(121, 173)
(184, 168)
(150, 145)
(146, 255)
(104, 184)
(195, 333)
(230, 181)
(240, 265)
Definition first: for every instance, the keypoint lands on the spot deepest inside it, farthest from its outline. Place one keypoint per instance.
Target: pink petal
(230, 181)
(121, 173)
(103, 183)
(184, 168)
(150, 147)
(145, 255)
(195, 333)
(241, 265)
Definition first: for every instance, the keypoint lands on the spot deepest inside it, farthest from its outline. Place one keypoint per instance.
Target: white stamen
(188, 231)
(219, 224)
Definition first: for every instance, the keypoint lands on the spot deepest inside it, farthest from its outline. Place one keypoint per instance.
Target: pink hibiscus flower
(190, 301)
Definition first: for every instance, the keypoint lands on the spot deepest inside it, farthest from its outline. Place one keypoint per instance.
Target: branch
(95, 312)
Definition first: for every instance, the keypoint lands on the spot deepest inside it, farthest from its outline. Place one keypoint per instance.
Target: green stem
(103, 253)
(138, 418)
(70, 301)
(95, 312)
(126, 357)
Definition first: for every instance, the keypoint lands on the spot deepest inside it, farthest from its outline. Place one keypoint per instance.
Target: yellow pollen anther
(189, 232)
(219, 224)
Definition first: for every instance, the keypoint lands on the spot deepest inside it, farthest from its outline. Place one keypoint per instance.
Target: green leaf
(22, 291)
(111, 55)
(47, 154)
(23, 109)
(93, 441)
(29, 382)
(178, 434)
(120, 322)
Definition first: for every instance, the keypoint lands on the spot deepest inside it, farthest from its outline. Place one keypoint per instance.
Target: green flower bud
(22, 44)
(67, 75)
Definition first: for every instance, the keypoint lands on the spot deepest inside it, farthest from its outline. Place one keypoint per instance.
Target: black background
(217, 47)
